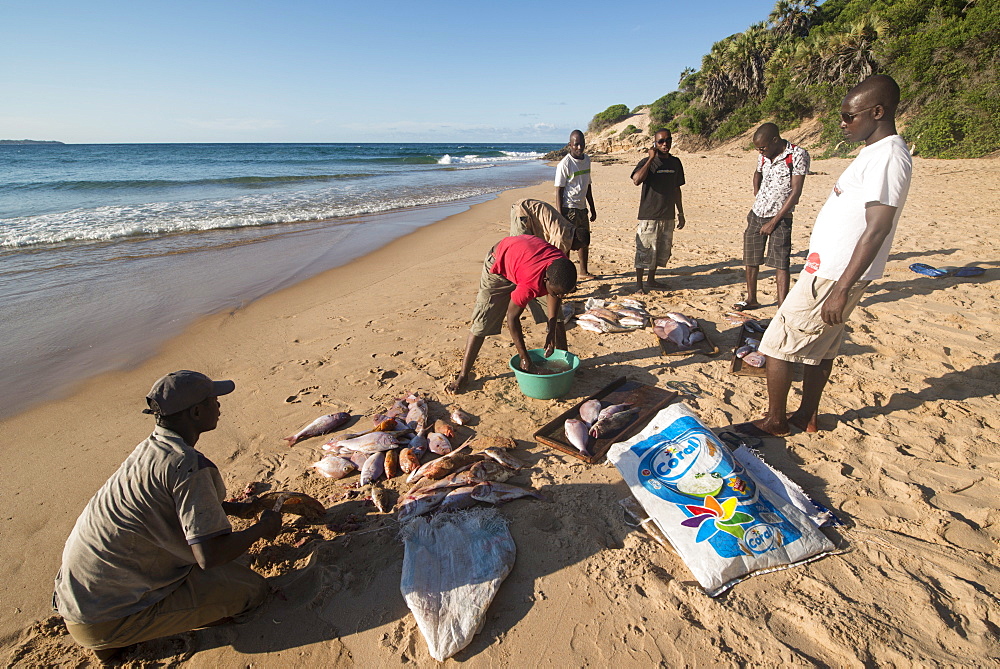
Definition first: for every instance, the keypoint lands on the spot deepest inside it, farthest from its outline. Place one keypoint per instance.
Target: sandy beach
(908, 456)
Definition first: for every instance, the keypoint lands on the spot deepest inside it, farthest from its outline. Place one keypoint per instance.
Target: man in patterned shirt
(777, 184)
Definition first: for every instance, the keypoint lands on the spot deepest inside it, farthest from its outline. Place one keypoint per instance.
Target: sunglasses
(663, 141)
(848, 117)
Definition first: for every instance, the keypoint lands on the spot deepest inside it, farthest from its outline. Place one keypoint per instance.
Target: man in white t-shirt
(573, 194)
(848, 249)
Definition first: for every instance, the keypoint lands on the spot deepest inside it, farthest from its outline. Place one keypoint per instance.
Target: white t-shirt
(880, 173)
(574, 176)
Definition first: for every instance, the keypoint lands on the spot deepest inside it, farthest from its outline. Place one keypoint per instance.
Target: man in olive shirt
(152, 553)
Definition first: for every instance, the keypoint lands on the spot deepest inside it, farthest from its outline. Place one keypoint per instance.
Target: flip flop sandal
(927, 270)
(734, 440)
(743, 305)
(968, 271)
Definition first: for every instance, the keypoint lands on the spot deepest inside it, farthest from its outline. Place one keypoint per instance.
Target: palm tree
(792, 18)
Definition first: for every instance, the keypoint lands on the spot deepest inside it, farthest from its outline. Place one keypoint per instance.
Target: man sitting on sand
(534, 217)
(152, 553)
(661, 176)
(848, 249)
(777, 185)
(517, 272)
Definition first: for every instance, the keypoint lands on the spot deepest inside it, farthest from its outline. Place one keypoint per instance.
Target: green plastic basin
(546, 386)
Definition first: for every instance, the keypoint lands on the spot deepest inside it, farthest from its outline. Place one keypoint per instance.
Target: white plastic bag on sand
(453, 565)
(724, 523)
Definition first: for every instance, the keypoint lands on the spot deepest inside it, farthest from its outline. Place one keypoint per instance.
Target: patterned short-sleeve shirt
(776, 178)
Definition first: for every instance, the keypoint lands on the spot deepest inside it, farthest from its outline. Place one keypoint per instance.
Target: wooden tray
(649, 399)
(737, 366)
(667, 347)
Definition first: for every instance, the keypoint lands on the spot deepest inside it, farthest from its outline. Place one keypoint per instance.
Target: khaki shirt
(131, 546)
(541, 219)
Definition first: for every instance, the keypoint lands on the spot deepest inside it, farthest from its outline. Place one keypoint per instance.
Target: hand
(240, 509)
(768, 227)
(527, 365)
(652, 153)
(680, 221)
(593, 215)
(270, 524)
(833, 309)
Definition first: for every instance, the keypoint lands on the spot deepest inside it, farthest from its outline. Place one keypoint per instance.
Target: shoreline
(908, 456)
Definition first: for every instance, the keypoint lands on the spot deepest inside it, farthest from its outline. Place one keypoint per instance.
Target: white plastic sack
(723, 522)
(453, 565)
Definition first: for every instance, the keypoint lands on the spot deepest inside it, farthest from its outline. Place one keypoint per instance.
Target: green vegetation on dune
(803, 58)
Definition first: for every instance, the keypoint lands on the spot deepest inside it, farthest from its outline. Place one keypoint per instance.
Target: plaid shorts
(654, 240)
(581, 219)
(778, 243)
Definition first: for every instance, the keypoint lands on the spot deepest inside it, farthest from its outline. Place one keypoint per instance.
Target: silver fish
(334, 467)
(613, 423)
(503, 457)
(438, 443)
(576, 432)
(418, 473)
(373, 468)
(414, 505)
(613, 409)
(398, 409)
(589, 411)
(321, 425)
(417, 414)
(498, 493)
(490, 470)
(681, 318)
(359, 459)
(458, 498)
(371, 443)
(418, 443)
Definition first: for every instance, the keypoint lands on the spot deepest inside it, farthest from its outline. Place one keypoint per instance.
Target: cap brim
(223, 387)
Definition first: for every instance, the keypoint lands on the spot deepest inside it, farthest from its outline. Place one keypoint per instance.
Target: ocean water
(108, 250)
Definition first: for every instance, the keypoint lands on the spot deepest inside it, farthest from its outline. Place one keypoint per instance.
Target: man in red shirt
(517, 272)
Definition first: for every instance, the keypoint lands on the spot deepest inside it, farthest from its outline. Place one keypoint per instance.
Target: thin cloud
(233, 124)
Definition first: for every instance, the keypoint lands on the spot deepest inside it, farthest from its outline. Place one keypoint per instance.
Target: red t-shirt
(522, 260)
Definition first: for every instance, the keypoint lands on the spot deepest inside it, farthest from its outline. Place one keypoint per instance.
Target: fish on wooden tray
(577, 434)
(590, 410)
(322, 425)
(613, 423)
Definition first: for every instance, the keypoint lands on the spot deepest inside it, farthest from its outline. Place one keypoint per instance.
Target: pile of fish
(748, 346)
(400, 438)
(683, 331)
(460, 480)
(597, 421)
(625, 316)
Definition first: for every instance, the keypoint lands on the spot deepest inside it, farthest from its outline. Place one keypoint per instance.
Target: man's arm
(642, 171)
(555, 329)
(798, 180)
(514, 311)
(559, 197)
(226, 548)
(878, 220)
(590, 201)
(757, 179)
(680, 209)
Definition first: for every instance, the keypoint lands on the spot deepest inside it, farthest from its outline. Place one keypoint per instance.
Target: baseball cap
(181, 390)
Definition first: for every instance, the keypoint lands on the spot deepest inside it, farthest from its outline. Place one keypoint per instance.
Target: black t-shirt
(665, 176)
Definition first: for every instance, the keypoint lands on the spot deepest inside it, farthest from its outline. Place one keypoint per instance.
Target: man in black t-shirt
(661, 176)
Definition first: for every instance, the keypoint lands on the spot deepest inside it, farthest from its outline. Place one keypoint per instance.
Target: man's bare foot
(457, 384)
(584, 275)
(761, 429)
(640, 289)
(810, 424)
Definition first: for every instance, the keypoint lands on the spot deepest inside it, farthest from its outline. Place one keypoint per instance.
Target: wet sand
(908, 456)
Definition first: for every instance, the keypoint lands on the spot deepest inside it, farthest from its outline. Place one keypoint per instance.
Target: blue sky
(312, 71)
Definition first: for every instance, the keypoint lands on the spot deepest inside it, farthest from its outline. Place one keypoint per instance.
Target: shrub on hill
(806, 55)
(609, 116)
